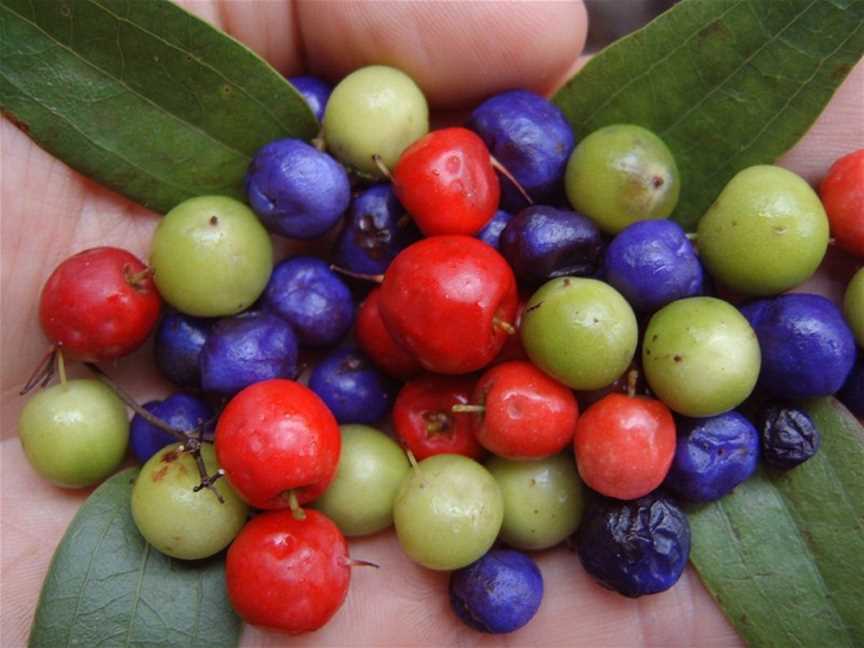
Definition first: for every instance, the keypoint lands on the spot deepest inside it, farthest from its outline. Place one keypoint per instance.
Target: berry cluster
(547, 351)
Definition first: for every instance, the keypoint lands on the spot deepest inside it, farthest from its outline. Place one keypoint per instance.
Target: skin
(76, 213)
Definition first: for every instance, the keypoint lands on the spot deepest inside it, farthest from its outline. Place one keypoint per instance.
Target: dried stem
(375, 278)
(42, 374)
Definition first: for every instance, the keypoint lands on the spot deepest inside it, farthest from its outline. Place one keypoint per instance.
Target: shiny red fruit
(449, 301)
(446, 182)
(287, 574)
(424, 422)
(276, 438)
(842, 193)
(99, 304)
(526, 414)
(624, 445)
(374, 339)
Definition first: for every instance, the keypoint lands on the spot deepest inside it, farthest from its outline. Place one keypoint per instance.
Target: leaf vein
(134, 613)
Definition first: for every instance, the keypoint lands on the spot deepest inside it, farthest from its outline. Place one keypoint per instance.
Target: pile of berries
(545, 348)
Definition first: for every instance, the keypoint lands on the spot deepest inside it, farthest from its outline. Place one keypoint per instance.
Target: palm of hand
(493, 48)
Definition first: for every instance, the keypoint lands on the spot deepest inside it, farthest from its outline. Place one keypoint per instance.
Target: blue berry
(541, 243)
(246, 349)
(180, 411)
(635, 547)
(852, 393)
(789, 436)
(351, 386)
(530, 137)
(713, 455)
(491, 232)
(315, 91)
(296, 190)
(376, 230)
(653, 263)
(807, 347)
(178, 343)
(312, 298)
(499, 593)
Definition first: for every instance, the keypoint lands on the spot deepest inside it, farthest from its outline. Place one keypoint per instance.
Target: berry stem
(318, 142)
(411, 458)
(500, 168)
(468, 409)
(42, 374)
(379, 278)
(379, 162)
(632, 377)
(353, 562)
(61, 367)
(207, 482)
(294, 505)
(501, 325)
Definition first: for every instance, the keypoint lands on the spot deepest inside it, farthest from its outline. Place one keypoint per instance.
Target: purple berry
(852, 393)
(178, 343)
(491, 232)
(315, 91)
(180, 411)
(351, 386)
(789, 436)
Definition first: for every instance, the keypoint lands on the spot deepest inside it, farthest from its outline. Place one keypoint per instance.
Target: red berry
(99, 304)
(424, 421)
(446, 182)
(526, 414)
(449, 300)
(378, 344)
(624, 445)
(842, 193)
(276, 438)
(288, 574)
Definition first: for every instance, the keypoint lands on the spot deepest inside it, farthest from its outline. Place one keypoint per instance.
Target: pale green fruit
(74, 434)
(371, 468)
(211, 257)
(766, 232)
(174, 518)
(853, 306)
(700, 356)
(621, 174)
(580, 331)
(376, 110)
(448, 512)
(543, 500)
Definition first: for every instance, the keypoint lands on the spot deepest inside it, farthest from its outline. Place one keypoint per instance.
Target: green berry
(766, 232)
(622, 174)
(211, 257)
(579, 331)
(853, 306)
(75, 434)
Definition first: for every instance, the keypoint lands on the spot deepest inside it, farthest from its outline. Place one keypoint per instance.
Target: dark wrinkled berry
(789, 436)
(315, 91)
(178, 343)
(351, 386)
(852, 393)
(499, 593)
(635, 547)
(180, 411)
(491, 232)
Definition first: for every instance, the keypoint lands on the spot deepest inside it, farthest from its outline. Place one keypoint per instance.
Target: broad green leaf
(107, 587)
(142, 96)
(726, 83)
(784, 553)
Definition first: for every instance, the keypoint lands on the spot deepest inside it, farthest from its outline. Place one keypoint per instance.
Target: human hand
(459, 53)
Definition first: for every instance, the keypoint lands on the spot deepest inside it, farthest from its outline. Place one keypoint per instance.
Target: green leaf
(107, 587)
(782, 554)
(726, 83)
(142, 96)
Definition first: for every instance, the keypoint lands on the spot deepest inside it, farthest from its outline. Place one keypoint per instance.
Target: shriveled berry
(789, 436)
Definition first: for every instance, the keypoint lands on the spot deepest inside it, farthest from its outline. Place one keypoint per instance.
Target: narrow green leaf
(783, 553)
(142, 96)
(107, 587)
(726, 83)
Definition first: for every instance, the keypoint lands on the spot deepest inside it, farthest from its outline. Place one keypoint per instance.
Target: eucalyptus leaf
(782, 554)
(142, 96)
(726, 83)
(107, 587)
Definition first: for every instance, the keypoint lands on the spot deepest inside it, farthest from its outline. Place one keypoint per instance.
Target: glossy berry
(424, 421)
(653, 263)
(789, 436)
(375, 340)
(177, 346)
(353, 389)
(624, 445)
(634, 548)
(315, 91)
(842, 194)
(491, 232)
(180, 411)
(713, 455)
(444, 300)
(541, 243)
(277, 438)
(446, 182)
(288, 574)
(526, 414)
(499, 593)
(852, 393)
(376, 229)
(296, 190)
(807, 348)
(99, 304)
(312, 298)
(247, 349)
(530, 136)
(853, 305)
